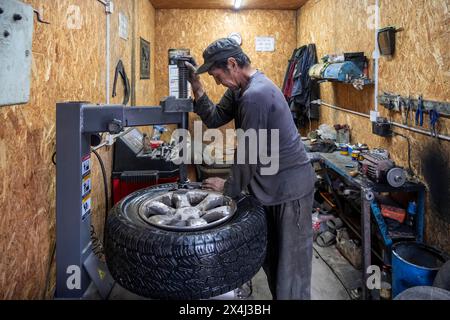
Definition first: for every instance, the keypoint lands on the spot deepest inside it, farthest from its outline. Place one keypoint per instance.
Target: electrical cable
(49, 270)
(97, 246)
(411, 171)
(52, 253)
(105, 186)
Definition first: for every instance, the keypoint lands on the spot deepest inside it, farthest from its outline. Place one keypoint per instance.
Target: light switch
(16, 39)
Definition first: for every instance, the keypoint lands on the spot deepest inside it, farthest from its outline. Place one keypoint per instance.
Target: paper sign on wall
(123, 26)
(265, 44)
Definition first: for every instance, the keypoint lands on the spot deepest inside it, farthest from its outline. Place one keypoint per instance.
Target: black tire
(424, 293)
(160, 264)
(442, 279)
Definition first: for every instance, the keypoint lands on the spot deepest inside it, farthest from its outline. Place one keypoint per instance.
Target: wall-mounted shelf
(344, 71)
(364, 82)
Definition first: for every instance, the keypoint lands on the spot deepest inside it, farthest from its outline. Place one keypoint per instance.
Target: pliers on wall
(407, 108)
(419, 112)
(434, 119)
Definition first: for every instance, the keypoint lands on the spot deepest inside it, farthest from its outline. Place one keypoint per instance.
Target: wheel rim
(185, 210)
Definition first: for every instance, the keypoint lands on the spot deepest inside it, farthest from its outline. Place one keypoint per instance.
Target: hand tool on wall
(404, 110)
(434, 119)
(408, 105)
(419, 112)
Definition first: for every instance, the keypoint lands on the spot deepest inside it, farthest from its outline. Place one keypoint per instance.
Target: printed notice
(86, 166)
(265, 44)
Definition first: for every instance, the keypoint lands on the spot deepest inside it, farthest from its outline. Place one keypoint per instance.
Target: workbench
(340, 165)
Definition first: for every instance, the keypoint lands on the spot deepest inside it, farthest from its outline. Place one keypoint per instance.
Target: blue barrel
(414, 264)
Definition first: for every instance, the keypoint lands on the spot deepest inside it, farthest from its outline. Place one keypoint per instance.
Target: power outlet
(16, 39)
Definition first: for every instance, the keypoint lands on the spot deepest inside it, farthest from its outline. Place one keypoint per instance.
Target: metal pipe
(108, 56)
(399, 125)
(376, 53)
(340, 109)
(440, 136)
(108, 10)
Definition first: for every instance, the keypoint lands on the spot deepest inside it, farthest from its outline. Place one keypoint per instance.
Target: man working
(255, 102)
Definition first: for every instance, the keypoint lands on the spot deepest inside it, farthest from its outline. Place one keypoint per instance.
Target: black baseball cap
(219, 50)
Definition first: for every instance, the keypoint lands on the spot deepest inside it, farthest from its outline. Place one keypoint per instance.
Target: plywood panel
(421, 66)
(196, 29)
(145, 89)
(337, 27)
(68, 65)
(227, 4)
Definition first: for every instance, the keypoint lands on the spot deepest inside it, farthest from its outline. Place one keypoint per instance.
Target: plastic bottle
(386, 284)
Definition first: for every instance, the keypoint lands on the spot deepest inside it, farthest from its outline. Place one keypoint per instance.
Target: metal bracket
(109, 6)
(368, 194)
(174, 105)
(100, 275)
(115, 127)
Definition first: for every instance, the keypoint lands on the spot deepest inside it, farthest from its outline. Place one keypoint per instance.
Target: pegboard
(16, 36)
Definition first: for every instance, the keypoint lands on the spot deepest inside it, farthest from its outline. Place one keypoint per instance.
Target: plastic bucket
(414, 264)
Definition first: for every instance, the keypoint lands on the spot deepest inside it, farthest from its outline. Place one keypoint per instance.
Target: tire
(171, 265)
(424, 293)
(442, 279)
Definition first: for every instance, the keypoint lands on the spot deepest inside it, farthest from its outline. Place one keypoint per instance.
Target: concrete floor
(333, 278)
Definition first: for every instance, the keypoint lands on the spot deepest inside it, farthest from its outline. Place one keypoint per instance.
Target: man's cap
(219, 50)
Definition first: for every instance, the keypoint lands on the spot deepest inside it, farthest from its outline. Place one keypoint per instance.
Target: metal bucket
(414, 264)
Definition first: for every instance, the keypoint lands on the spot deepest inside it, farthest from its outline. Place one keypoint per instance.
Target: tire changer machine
(78, 125)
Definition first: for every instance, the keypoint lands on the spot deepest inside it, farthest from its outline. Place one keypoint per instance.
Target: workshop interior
(95, 207)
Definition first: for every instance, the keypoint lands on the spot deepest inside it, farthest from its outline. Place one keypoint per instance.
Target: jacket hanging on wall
(299, 89)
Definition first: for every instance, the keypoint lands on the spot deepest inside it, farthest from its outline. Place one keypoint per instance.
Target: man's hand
(194, 79)
(214, 184)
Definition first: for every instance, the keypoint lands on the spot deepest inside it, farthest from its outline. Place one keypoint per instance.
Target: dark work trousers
(288, 262)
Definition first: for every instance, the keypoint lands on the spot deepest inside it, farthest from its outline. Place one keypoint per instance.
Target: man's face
(227, 78)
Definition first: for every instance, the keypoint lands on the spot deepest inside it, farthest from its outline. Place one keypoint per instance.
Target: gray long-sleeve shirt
(262, 106)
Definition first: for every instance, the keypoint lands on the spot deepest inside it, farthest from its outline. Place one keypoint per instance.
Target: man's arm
(214, 116)
(254, 117)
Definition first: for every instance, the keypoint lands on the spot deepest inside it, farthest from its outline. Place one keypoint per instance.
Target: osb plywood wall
(420, 66)
(68, 65)
(337, 27)
(196, 29)
(145, 21)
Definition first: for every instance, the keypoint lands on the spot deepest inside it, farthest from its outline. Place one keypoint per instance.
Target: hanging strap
(120, 69)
